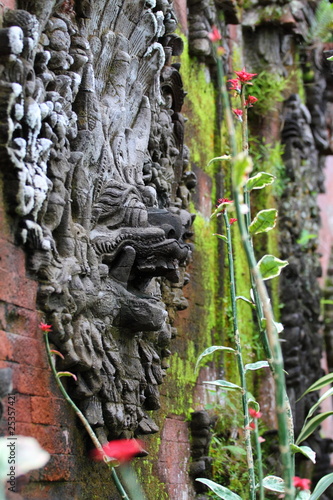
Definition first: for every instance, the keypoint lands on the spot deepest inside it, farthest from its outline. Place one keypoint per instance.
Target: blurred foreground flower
(122, 450)
(27, 453)
(214, 35)
(301, 483)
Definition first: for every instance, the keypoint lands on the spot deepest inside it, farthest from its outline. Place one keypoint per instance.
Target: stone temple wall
(98, 231)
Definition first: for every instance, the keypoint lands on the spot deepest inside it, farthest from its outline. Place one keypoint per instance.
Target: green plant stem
(84, 421)
(240, 363)
(273, 340)
(245, 140)
(259, 460)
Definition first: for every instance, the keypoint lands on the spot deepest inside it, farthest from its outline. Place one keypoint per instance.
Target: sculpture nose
(170, 232)
(170, 223)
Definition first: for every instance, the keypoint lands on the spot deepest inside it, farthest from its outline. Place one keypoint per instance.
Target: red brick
(21, 406)
(17, 290)
(19, 320)
(53, 439)
(5, 223)
(48, 410)
(59, 468)
(175, 430)
(23, 350)
(33, 381)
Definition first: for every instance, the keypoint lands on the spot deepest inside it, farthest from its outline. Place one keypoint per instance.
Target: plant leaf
(313, 408)
(222, 383)
(259, 181)
(219, 490)
(235, 450)
(305, 450)
(264, 221)
(256, 366)
(221, 236)
(273, 483)
(278, 326)
(252, 401)
(66, 374)
(242, 167)
(57, 353)
(210, 350)
(219, 158)
(270, 266)
(303, 495)
(321, 486)
(311, 425)
(319, 384)
(248, 301)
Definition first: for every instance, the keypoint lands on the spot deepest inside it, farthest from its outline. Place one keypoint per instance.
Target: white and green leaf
(222, 383)
(221, 236)
(310, 426)
(305, 450)
(273, 483)
(210, 350)
(319, 384)
(313, 408)
(259, 181)
(219, 490)
(256, 366)
(322, 486)
(270, 266)
(264, 221)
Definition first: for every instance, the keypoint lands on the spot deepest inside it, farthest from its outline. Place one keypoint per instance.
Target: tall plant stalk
(240, 363)
(272, 336)
(84, 421)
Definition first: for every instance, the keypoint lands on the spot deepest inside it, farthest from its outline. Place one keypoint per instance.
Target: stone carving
(97, 174)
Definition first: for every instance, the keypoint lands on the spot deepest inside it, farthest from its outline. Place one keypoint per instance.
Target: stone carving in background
(97, 174)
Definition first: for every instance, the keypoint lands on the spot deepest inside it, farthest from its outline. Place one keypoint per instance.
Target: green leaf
(57, 353)
(278, 326)
(66, 374)
(221, 236)
(303, 495)
(312, 425)
(219, 158)
(219, 490)
(313, 408)
(251, 401)
(248, 301)
(319, 384)
(273, 483)
(321, 486)
(329, 58)
(264, 221)
(222, 383)
(259, 181)
(305, 237)
(242, 167)
(270, 266)
(256, 366)
(222, 206)
(305, 450)
(210, 350)
(235, 450)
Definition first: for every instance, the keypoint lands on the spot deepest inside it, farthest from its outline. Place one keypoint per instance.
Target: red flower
(250, 101)
(301, 484)
(223, 200)
(254, 413)
(214, 35)
(121, 450)
(252, 426)
(238, 113)
(45, 327)
(245, 77)
(234, 84)
(231, 221)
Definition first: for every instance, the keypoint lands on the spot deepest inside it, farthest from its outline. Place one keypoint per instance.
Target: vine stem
(259, 461)
(240, 363)
(84, 421)
(283, 415)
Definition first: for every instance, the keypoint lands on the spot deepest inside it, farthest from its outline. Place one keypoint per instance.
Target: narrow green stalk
(84, 421)
(240, 363)
(259, 460)
(245, 140)
(273, 340)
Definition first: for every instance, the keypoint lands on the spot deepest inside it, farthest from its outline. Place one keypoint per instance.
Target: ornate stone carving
(97, 174)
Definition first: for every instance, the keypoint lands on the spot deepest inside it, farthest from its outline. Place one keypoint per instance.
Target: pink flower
(122, 450)
(301, 484)
(250, 101)
(234, 84)
(254, 413)
(245, 77)
(45, 327)
(238, 113)
(252, 426)
(231, 221)
(261, 439)
(214, 35)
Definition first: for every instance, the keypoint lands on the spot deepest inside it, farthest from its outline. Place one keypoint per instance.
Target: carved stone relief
(97, 174)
